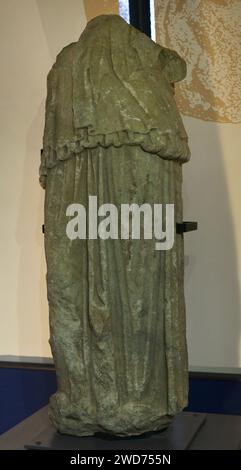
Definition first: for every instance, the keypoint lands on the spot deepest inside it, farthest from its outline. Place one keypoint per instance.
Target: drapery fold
(117, 310)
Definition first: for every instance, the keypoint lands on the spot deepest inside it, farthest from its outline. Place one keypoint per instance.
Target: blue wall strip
(215, 396)
(22, 392)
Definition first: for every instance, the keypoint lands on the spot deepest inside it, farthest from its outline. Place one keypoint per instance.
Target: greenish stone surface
(116, 307)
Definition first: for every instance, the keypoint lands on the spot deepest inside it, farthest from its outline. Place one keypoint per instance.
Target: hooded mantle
(113, 87)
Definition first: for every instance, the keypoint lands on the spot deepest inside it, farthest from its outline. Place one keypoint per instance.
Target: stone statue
(117, 311)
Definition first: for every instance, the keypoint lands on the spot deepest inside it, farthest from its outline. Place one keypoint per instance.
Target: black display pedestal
(178, 436)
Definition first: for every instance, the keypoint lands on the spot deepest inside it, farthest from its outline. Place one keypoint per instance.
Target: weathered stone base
(128, 420)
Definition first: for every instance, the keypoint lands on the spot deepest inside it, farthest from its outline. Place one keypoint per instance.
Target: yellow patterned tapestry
(207, 34)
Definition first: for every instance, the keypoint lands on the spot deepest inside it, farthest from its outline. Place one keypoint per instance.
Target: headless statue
(116, 307)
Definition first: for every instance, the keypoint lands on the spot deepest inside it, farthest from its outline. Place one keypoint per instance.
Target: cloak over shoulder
(113, 87)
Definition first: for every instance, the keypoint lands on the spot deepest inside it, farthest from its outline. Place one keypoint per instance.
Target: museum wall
(32, 32)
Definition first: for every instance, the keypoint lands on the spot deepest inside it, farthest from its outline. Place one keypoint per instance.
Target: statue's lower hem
(127, 420)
